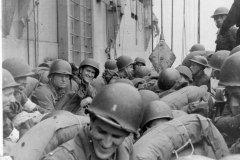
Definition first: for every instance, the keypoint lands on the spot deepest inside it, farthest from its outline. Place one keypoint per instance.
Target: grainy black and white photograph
(120, 80)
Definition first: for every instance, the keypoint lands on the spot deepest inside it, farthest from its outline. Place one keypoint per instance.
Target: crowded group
(66, 111)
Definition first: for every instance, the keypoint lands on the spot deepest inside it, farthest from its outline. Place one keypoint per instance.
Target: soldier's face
(23, 83)
(129, 70)
(195, 68)
(87, 73)
(60, 80)
(105, 138)
(219, 20)
(234, 94)
(184, 79)
(7, 98)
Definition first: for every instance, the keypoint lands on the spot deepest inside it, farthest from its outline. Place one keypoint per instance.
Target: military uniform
(227, 41)
(81, 148)
(232, 18)
(201, 79)
(47, 96)
(84, 89)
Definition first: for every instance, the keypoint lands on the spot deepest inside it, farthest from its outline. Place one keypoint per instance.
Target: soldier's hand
(86, 101)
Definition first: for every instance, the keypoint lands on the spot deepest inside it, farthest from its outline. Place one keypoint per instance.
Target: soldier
(198, 64)
(226, 41)
(138, 62)
(10, 134)
(109, 75)
(232, 19)
(229, 125)
(125, 67)
(88, 70)
(169, 81)
(49, 94)
(20, 70)
(185, 73)
(155, 113)
(115, 112)
(197, 47)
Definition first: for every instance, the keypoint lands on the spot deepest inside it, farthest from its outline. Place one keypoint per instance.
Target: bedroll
(191, 134)
(47, 135)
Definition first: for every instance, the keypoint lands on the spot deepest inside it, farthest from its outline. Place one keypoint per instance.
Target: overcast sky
(207, 26)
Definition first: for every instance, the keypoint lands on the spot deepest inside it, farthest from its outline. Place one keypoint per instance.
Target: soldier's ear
(80, 71)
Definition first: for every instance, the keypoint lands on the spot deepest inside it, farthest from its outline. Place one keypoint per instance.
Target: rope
(183, 33)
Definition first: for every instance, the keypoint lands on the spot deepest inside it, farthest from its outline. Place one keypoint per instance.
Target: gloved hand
(86, 102)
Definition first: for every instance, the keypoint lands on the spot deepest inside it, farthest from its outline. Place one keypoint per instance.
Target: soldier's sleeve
(43, 99)
(59, 153)
(232, 37)
(232, 17)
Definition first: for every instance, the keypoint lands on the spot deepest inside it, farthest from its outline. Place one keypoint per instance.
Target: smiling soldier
(88, 70)
(115, 112)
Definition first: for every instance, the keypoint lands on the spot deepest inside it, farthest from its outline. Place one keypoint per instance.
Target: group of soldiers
(126, 103)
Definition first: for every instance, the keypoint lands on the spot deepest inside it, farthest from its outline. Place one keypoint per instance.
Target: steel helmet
(124, 61)
(142, 71)
(186, 61)
(17, 67)
(111, 64)
(230, 71)
(219, 11)
(124, 80)
(90, 62)
(200, 60)
(218, 58)
(234, 50)
(231, 157)
(8, 80)
(178, 113)
(185, 71)
(195, 157)
(197, 47)
(140, 60)
(60, 66)
(167, 78)
(156, 110)
(119, 105)
(148, 96)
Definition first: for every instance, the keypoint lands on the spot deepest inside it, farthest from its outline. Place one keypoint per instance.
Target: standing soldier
(49, 94)
(198, 64)
(232, 19)
(20, 70)
(88, 70)
(226, 41)
(229, 125)
(115, 112)
(125, 67)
